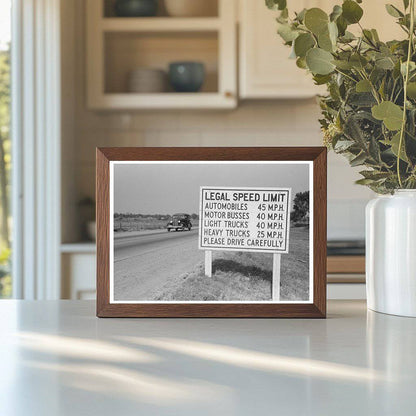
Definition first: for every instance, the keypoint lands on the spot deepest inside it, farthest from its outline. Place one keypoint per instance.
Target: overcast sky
(170, 188)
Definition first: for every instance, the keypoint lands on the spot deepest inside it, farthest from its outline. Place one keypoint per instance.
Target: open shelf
(127, 51)
(211, 9)
(130, 101)
(160, 24)
(116, 46)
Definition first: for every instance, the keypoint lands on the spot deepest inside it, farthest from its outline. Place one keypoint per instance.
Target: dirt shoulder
(245, 276)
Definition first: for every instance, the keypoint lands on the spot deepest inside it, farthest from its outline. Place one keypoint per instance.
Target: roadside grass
(247, 276)
(141, 223)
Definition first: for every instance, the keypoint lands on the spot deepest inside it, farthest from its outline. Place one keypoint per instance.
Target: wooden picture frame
(314, 308)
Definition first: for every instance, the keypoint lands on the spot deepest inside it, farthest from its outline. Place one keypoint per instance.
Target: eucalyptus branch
(405, 81)
(346, 75)
(369, 41)
(392, 90)
(363, 110)
(398, 95)
(373, 89)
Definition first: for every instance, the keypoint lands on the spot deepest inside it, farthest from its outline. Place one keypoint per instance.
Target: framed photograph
(211, 232)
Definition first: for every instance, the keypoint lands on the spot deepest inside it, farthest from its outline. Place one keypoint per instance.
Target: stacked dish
(191, 8)
(147, 80)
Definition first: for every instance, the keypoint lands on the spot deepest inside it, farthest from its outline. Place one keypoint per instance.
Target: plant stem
(345, 75)
(373, 90)
(406, 80)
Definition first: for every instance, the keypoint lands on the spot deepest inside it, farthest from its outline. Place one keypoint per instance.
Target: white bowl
(145, 80)
(191, 8)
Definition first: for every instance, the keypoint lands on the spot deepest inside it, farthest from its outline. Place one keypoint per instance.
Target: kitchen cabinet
(346, 278)
(78, 263)
(265, 70)
(118, 45)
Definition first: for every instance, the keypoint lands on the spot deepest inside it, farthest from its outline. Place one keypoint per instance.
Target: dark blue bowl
(136, 8)
(186, 76)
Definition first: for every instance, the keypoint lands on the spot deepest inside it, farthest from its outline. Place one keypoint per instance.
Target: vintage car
(179, 222)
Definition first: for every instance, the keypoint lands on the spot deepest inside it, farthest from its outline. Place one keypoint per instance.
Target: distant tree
(195, 216)
(300, 211)
(5, 167)
(4, 144)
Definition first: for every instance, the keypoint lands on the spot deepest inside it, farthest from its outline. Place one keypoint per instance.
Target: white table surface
(58, 359)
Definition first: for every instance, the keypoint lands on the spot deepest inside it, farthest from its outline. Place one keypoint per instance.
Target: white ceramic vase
(391, 253)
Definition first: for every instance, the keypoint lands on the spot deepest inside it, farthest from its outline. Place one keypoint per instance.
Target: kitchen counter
(58, 359)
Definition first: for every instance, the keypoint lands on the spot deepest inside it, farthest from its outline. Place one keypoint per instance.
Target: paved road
(144, 263)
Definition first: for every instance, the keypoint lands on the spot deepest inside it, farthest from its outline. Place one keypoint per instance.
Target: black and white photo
(207, 231)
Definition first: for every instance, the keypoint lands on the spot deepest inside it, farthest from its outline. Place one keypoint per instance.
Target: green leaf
(406, 4)
(358, 160)
(361, 99)
(363, 86)
(374, 150)
(381, 89)
(321, 79)
(377, 75)
(336, 12)
(405, 21)
(368, 36)
(301, 63)
(396, 71)
(333, 32)
(316, 20)
(385, 63)
(276, 4)
(348, 37)
(412, 67)
(393, 11)
(303, 43)
(324, 42)
(319, 61)
(375, 35)
(343, 65)
(284, 14)
(342, 25)
(351, 11)
(358, 61)
(286, 32)
(354, 131)
(391, 114)
(411, 90)
(394, 145)
(374, 175)
(301, 15)
(364, 181)
(343, 145)
(327, 40)
(283, 17)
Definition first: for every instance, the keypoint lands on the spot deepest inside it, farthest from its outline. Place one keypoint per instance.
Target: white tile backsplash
(346, 219)
(271, 123)
(253, 123)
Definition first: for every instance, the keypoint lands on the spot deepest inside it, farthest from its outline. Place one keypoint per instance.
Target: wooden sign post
(245, 219)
